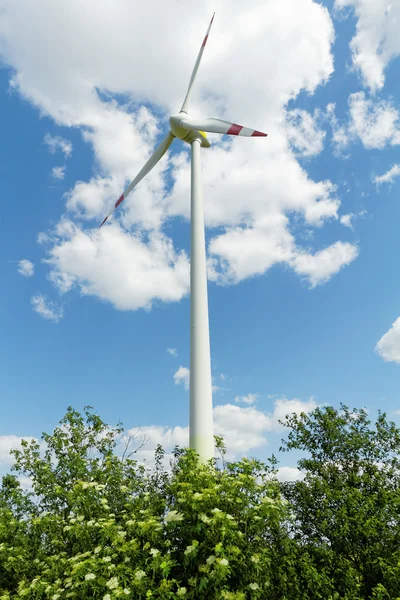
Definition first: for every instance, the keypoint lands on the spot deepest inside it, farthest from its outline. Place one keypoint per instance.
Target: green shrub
(97, 525)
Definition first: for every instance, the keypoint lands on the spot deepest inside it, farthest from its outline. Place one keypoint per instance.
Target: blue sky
(291, 324)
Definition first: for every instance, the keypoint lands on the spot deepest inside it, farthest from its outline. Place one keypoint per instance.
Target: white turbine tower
(192, 131)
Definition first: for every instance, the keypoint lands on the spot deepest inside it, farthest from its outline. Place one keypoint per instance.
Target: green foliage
(97, 525)
(348, 506)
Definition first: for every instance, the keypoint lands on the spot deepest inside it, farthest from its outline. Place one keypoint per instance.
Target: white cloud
(377, 39)
(265, 184)
(388, 346)
(243, 428)
(283, 407)
(173, 352)
(7, 443)
(375, 123)
(303, 132)
(58, 172)
(26, 267)
(320, 267)
(47, 309)
(346, 220)
(55, 142)
(249, 399)
(124, 269)
(246, 428)
(182, 377)
(389, 176)
(290, 474)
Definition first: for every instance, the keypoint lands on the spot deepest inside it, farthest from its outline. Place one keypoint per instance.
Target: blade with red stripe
(185, 104)
(220, 126)
(153, 160)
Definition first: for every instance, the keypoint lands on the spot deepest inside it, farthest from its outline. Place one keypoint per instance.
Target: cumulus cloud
(47, 309)
(58, 172)
(57, 143)
(26, 267)
(244, 429)
(389, 176)
(376, 41)
(182, 377)
(375, 123)
(249, 399)
(320, 267)
(289, 474)
(172, 351)
(304, 133)
(8, 443)
(262, 178)
(131, 271)
(388, 346)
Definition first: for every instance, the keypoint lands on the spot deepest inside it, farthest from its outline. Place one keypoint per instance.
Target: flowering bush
(100, 526)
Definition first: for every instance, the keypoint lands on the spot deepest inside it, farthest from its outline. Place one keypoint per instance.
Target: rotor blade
(153, 160)
(220, 126)
(185, 104)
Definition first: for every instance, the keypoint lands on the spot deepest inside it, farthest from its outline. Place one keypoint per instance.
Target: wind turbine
(193, 132)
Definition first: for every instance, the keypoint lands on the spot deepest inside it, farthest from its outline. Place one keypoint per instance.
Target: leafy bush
(101, 526)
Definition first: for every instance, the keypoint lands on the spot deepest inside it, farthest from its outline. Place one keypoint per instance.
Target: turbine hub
(184, 134)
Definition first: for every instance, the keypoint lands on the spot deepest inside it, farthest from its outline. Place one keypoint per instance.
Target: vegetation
(97, 525)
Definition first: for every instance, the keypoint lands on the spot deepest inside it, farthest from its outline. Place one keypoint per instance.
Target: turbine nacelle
(187, 129)
(185, 134)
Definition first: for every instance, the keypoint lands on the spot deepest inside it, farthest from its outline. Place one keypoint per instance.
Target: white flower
(55, 597)
(197, 495)
(254, 586)
(127, 591)
(90, 523)
(139, 575)
(223, 562)
(154, 552)
(181, 592)
(112, 583)
(210, 560)
(130, 522)
(205, 519)
(173, 515)
(189, 550)
(122, 534)
(85, 486)
(255, 558)
(107, 597)
(80, 518)
(107, 559)
(267, 499)
(90, 576)
(229, 517)
(216, 510)
(97, 549)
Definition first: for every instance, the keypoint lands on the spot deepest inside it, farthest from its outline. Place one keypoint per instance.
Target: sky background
(301, 226)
